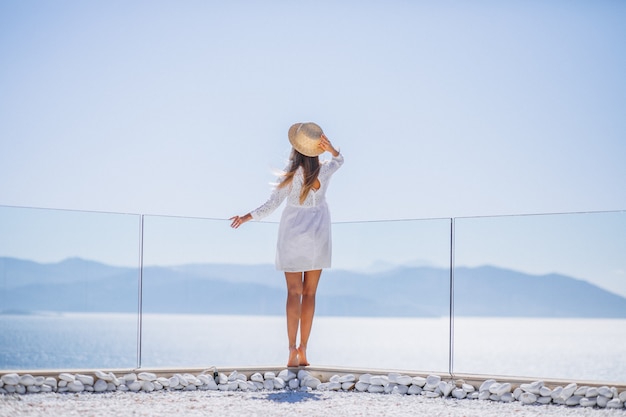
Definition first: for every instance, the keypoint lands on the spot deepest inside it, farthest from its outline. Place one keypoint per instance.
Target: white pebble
(279, 383)
(486, 385)
(67, 377)
(544, 400)
(347, 378)
(287, 375)
(459, 393)
(76, 386)
(573, 400)
(85, 379)
(415, 390)
(268, 384)
(100, 385)
(256, 377)
(11, 379)
(507, 397)
(419, 381)
(27, 380)
(365, 378)
(568, 391)
(432, 381)
(527, 398)
(147, 376)
(468, 388)
(294, 383)
(614, 403)
(361, 386)
(375, 388)
(588, 402)
(269, 375)
(622, 396)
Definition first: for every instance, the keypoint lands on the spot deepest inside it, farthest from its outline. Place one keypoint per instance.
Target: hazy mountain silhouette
(77, 285)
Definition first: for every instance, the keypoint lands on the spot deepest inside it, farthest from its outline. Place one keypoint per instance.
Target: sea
(575, 349)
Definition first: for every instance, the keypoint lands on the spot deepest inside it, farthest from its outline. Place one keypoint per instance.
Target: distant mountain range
(78, 285)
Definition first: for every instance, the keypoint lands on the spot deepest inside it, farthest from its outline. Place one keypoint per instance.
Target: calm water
(559, 348)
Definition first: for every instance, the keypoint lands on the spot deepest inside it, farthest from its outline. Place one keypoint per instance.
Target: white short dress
(304, 236)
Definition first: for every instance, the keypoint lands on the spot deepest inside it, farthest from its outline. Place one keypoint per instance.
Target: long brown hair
(311, 167)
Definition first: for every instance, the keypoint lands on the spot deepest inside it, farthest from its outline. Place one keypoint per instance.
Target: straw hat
(305, 138)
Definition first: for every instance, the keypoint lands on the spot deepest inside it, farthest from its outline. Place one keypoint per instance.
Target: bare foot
(302, 355)
(293, 357)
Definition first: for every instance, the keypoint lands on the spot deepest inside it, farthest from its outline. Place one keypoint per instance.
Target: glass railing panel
(68, 289)
(385, 303)
(211, 294)
(541, 296)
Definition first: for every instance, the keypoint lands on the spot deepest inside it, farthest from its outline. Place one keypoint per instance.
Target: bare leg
(311, 279)
(294, 311)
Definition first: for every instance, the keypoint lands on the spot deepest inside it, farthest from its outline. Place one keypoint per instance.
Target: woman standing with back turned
(304, 237)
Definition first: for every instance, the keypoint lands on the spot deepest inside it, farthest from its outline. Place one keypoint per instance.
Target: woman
(304, 238)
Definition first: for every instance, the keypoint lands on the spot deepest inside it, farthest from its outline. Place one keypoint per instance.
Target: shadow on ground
(291, 397)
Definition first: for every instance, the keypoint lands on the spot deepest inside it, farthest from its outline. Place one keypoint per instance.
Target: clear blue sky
(442, 109)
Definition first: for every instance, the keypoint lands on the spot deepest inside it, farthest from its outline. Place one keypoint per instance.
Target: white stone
(527, 398)
(544, 400)
(556, 392)
(494, 397)
(486, 385)
(243, 385)
(67, 377)
(507, 397)
(389, 387)
(268, 384)
(258, 385)
(605, 392)
(379, 380)
(333, 386)
(193, 380)
(302, 374)
(405, 380)
(20, 389)
(334, 378)
(588, 402)
(173, 381)
(111, 386)
(568, 391)
(103, 376)
(269, 375)
(147, 386)
(88, 388)
(115, 379)
(287, 375)
(35, 389)
(85, 379)
(622, 396)
(601, 401)
(256, 377)
(122, 387)
(432, 381)
(365, 378)
(473, 395)
(46, 388)
(493, 388)
(459, 393)
(279, 383)
(614, 403)
(51, 382)
(194, 387)
(545, 392)
(147, 376)
(182, 380)
(159, 387)
(401, 389)
(347, 378)
(134, 386)
(361, 386)
(204, 379)
(347, 386)
(582, 391)
(419, 381)
(10, 389)
(468, 388)
(100, 385)
(27, 380)
(503, 389)
(76, 386)
(591, 392)
(573, 400)
(533, 387)
(445, 388)
(62, 384)
(212, 385)
(431, 394)
(375, 388)
(484, 395)
(131, 377)
(415, 390)
(294, 383)
(39, 380)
